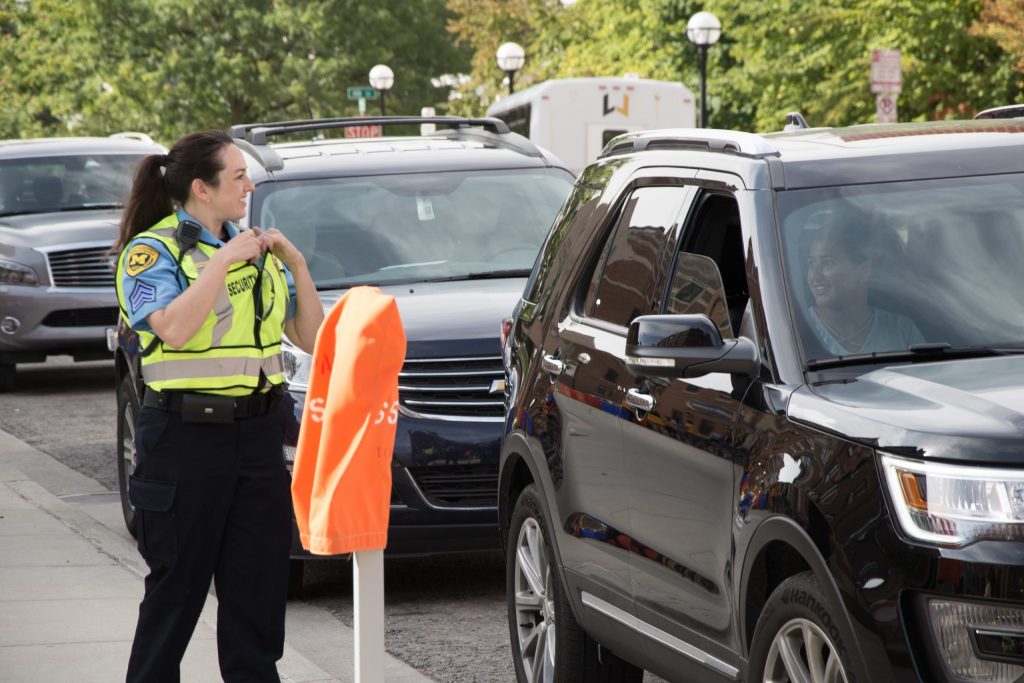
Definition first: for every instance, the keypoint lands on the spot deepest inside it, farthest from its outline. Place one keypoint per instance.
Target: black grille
(458, 485)
(85, 267)
(453, 387)
(82, 317)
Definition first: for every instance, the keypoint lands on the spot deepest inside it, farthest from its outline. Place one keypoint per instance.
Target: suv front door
(682, 464)
(590, 342)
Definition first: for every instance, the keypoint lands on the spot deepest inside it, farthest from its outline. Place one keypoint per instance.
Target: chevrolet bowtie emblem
(498, 386)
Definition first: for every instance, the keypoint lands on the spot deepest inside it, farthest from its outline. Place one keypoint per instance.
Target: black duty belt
(196, 407)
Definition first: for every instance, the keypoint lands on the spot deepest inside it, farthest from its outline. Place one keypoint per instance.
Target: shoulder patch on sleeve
(141, 257)
(141, 294)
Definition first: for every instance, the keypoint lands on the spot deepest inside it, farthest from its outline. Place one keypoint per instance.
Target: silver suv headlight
(954, 505)
(297, 366)
(16, 274)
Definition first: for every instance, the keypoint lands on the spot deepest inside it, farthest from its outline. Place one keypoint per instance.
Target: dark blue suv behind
(449, 223)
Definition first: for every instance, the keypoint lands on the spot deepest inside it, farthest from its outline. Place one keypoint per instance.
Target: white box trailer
(575, 117)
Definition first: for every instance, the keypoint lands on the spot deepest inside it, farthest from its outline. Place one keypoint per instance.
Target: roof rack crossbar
(709, 139)
(509, 140)
(257, 133)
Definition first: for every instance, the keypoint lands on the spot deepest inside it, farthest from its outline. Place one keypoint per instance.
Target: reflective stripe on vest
(235, 343)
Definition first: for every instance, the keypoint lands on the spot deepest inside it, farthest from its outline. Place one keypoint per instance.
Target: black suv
(449, 223)
(765, 411)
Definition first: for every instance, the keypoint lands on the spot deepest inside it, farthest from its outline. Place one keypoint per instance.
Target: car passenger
(838, 272)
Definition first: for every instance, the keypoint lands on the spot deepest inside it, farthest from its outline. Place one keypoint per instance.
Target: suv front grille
(453, 388)
(458, 485)
(81, 317)
(83, 267)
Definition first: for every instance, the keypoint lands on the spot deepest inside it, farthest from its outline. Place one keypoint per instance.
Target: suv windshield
(412, 227)
(910, 265)
(65, 183)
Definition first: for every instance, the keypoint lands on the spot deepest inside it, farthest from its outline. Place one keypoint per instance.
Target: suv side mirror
(685, 346)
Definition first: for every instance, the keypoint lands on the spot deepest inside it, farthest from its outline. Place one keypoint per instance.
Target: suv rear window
(412, 227)
(939, 261)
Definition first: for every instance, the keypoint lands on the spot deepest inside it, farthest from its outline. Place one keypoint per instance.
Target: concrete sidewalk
(71, 582)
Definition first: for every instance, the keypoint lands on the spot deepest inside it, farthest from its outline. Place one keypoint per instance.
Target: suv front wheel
(797, 637)
(547, 642)
(127, 414)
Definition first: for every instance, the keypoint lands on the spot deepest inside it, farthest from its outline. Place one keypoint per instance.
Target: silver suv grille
(453, 388)
(82, 267)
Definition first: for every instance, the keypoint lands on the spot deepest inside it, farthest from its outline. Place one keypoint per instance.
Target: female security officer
(210, 489)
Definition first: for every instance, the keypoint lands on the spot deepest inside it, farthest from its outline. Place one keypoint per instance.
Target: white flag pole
(368, 601)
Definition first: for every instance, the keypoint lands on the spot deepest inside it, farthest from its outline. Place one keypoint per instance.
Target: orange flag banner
(341, 480)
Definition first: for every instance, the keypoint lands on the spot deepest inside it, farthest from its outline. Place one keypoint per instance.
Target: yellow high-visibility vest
(236, 342)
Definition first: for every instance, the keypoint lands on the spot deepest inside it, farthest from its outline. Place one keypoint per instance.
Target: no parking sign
(886, 83)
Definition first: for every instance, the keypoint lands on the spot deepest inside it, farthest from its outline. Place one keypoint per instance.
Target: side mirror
(685, 346)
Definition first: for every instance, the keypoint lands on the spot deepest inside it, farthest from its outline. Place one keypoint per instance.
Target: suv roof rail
(704, 139)
(132, 135)
(257, 133)
(252, 137)
(1009, 111)
(795, 121)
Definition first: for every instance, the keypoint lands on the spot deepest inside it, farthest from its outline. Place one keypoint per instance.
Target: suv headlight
(297, 366)
(16, 274)
(955, 504)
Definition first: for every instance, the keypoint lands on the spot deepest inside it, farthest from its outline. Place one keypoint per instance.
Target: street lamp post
(703, 30)
(381, 80)
(511, 57)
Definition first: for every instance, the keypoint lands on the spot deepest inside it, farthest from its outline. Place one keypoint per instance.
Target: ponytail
(163, 181)
(148, 201)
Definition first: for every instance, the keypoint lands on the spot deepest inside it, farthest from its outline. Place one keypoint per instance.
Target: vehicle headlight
(16, 274)
(955, 504)
(297, 366)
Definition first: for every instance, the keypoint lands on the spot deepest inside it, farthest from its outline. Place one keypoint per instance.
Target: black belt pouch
(207, 408)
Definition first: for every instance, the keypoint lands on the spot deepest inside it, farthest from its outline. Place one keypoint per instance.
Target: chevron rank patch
(141, 257)
(141, 294)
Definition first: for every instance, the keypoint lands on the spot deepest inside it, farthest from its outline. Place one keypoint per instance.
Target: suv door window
(626, 280)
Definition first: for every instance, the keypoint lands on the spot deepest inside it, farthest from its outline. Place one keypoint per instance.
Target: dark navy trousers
(212, 502)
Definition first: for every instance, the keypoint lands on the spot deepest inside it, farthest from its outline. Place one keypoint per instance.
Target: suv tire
(127, 414)
(547, 642)
(798, 629)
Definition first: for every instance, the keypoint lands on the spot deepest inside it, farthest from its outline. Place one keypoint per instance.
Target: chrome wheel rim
(535, 607)
(128, 448)
(802, 653)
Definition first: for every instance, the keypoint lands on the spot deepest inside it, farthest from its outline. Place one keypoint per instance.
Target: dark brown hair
(164, 180)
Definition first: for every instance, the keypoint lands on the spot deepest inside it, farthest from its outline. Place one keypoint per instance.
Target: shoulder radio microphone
(187, 234)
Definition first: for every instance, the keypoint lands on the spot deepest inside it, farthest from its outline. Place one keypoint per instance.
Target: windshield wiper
(484, 275)
(90, 207)
(915, 353)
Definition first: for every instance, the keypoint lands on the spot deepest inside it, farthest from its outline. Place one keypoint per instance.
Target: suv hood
(66, 227)
(450, 318)
(969, 409)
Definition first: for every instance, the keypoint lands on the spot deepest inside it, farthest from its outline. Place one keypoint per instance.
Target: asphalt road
(445, 615)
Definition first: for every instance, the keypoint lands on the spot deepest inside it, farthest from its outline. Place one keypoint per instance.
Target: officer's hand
(275, 242)
(245, 246)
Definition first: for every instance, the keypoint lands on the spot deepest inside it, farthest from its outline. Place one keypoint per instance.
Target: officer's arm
(309, 312)
(182, 318)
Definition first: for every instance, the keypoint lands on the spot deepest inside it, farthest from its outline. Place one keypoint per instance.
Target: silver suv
(60, 201)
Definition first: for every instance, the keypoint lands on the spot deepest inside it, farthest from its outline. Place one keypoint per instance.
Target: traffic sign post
(886, 83)
(885, 108)
(361, 92)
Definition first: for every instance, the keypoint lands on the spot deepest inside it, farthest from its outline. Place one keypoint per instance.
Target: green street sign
(356, 92)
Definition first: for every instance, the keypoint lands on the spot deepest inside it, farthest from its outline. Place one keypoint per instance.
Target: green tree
(169, 66)
(774, 56)
(47, 59)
